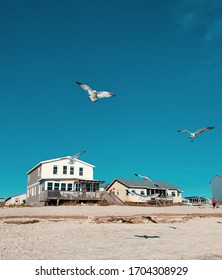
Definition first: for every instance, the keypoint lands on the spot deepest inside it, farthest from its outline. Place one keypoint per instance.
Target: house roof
(166, 185)
(56, 159)
(131, 183)
(8, 198)
(196, 197)
(220, 176)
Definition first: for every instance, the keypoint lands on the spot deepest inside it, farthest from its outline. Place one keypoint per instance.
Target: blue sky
(162, 59)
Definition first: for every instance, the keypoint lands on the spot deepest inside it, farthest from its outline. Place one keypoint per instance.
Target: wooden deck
(57, 197)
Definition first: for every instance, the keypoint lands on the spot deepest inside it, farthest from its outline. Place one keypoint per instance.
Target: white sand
(71, 233)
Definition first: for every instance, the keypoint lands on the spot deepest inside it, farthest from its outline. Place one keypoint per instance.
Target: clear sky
(162, 59)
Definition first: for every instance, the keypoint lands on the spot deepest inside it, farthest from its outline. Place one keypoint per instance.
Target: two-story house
(55, 180)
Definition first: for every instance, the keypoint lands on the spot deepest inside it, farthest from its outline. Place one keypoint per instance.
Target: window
(81, 171)
(64, 169)
(63, 186)
(55, 169)
(71, 170)
(142, 193)
(77, 187)
(69, 187)
(49, 186)
(56, 186)
(173, 193)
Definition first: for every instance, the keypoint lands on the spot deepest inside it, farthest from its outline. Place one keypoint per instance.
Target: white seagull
(195, 134)
(93, 94)
(74, 157)
(145, 178)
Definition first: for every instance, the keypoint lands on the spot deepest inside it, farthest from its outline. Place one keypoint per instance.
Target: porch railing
(50, 194)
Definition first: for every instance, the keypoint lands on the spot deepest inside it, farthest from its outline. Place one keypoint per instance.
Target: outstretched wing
(145, 178)
(183, 130)
(77, 155)
(103, 94)
(199, 131)
(141, 176)
(142, 195)
(86, 88)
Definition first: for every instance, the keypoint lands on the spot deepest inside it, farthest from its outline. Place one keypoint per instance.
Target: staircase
(164, 202)
(112, 199)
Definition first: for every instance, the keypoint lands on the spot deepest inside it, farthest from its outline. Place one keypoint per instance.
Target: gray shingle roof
(131, 183)
(166, 185)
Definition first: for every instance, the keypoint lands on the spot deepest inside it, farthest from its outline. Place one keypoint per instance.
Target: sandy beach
(111, 232)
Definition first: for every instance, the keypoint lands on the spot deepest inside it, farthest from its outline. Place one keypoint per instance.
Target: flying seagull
(93, 94)
(145, 178)
(142, 196)
(74, 157)
(195, 134)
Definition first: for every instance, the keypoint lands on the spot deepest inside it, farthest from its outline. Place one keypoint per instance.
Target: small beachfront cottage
(216, 187)
(18, 199)
(56, 180)
(142, 191)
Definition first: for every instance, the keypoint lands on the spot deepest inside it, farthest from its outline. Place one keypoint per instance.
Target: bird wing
(138, 175)
(86, 88)
(67, 157)
(144, 177)
(184, 130)
(103, 94)
(199, 131)
(142, 195)
(77, 155)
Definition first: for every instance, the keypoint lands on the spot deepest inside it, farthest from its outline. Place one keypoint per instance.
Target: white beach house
(144, 191)
(16, 199)
(55, 180)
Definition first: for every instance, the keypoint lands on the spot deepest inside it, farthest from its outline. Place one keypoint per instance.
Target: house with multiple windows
(56, 180)
(196, 200)
(144, 191)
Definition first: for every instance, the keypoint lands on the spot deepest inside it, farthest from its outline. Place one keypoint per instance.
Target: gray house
(216, 187)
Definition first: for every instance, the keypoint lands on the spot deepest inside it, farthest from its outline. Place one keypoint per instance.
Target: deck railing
(51, 194)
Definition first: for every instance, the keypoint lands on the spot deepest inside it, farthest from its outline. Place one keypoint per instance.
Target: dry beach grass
(110, 232)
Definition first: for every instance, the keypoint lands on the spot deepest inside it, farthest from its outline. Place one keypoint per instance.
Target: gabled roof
(131, 183)
(56, 159)
(166, 185)
(21, 194)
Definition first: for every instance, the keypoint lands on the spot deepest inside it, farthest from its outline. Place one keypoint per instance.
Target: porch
(56, 196)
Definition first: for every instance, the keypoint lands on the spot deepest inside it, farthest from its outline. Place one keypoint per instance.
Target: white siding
(16, 199)
(47, 170)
